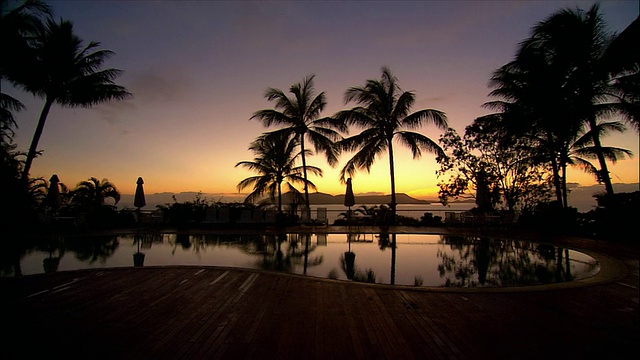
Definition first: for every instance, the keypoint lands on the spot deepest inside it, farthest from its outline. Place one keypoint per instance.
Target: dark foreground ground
(221, 313)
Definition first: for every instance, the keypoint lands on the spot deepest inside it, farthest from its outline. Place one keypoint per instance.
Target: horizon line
(339, 194)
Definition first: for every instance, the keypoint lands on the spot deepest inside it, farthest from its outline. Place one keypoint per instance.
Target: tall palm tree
(532, 108)
(576, 41)
(383, 113)
(65, 71)
(300, 116)
(93, 193)
(275, 163)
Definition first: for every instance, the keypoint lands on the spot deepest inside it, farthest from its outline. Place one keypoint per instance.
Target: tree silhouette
(93, 193)
(583, 149)
(558, 83)
(18, 26)
(383, 113)
(64, 71)
(275, 163)
(300, 115)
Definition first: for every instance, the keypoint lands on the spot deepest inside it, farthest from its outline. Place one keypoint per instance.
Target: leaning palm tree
(275, 163)
(66, 72)
(583, 149)
(93, 193)
(300, 116)
(383, 113)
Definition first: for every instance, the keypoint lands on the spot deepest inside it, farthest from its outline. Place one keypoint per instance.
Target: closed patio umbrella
(349, 199)
(53, 193)
(138, 200)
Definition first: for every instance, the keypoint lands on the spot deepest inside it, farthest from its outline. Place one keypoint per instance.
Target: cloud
(112, 111)
(151, 87)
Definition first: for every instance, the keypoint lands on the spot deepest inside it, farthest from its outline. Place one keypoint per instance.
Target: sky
(198, 70)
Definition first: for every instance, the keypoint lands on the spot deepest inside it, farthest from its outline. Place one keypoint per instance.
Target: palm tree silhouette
(17, 27)
(622, 60)
(577, 40)
(531, 108)
(383, 112)
(93, 193)
(300, 115)
(560, 81)
(64, 71)
(275, 162)
(583, 149)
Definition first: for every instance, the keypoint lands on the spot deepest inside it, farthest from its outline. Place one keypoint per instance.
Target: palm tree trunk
(280, 199)
(604, 171)
(556, 181)
(36, 138)
(304, 172)
(393, 181)
(565, 198)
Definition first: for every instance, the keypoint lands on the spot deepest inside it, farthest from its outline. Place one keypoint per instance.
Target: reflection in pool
(416, 259)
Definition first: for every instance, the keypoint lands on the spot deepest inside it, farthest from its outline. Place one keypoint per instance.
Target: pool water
(416, 259)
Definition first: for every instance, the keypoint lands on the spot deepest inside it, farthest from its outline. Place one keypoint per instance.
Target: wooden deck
(220, 313)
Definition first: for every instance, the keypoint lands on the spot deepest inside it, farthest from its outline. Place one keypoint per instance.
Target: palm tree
(575, 42)
(300, 115)
(531, 108)
(383, 111)
(93, 193)
(622, 60)
(17, 28)
(583, 150)
(8, 105)
(275, 162)
(66, 72)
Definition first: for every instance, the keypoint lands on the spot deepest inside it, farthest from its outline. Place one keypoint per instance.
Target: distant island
(126, 201)
(580, 197)
(328, 199)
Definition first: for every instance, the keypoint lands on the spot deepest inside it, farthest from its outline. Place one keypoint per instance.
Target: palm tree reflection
(93, 249)
(283, 252)
(384, 242)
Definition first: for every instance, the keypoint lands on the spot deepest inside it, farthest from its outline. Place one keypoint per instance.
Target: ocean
(410, 210)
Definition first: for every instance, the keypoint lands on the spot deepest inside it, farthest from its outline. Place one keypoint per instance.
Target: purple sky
(198, 70)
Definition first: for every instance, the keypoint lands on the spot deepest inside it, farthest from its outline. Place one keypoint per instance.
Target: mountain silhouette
(328, 199)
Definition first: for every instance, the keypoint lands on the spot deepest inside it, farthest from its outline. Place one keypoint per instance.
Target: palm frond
(418, 119)
(417, 142)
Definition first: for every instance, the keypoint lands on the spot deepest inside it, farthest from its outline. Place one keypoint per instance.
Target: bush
(614, 219)
(429, 220)
(551, 217)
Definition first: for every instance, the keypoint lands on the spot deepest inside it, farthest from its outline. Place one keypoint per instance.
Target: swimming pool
(416, 259)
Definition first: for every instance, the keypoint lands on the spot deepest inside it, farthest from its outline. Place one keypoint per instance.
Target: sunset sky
(198, 70)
